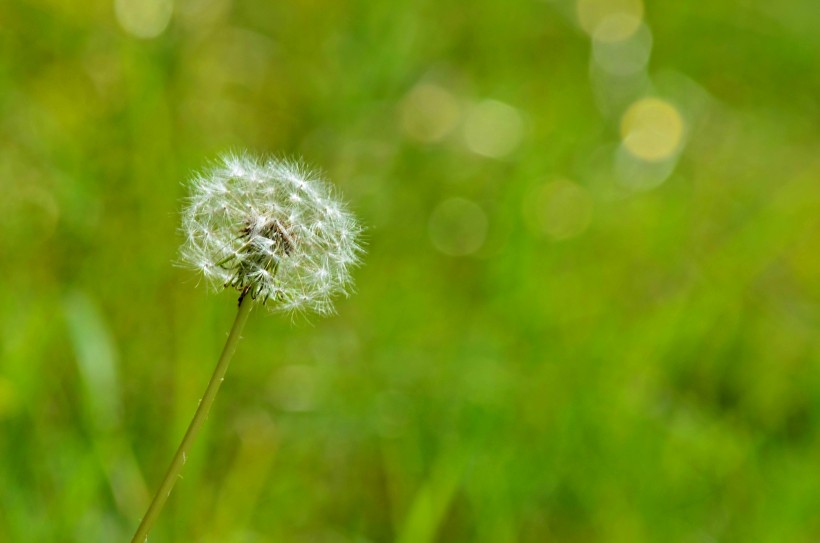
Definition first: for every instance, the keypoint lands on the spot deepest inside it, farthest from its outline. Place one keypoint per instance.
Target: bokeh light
(639, 174)
(429, 113)
(493, 129)
(610, 20)
(652, 129)
(624, 57)
(144, 18)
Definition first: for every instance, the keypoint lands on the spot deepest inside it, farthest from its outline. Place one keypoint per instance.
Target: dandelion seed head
(271, 229)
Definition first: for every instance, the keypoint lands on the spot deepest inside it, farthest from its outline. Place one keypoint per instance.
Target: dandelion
(272, 230)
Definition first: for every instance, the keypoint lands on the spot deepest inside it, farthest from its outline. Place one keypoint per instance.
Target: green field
(589, 306)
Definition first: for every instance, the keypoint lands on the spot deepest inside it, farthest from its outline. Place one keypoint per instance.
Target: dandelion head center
(265, 241)
(275, 233)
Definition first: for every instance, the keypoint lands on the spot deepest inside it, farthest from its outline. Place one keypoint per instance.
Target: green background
(632, 363)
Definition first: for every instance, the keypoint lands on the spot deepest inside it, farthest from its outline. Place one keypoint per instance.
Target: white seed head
(273, 230)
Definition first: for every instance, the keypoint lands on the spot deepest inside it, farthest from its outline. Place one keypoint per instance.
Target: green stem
(201, 414)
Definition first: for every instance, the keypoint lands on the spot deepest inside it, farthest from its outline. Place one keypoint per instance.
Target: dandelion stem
(194, 427)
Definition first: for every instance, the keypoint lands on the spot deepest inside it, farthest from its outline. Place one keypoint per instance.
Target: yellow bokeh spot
(493, 129)
(652, 129)
(144, 18)
(429, 113)
(610, 20)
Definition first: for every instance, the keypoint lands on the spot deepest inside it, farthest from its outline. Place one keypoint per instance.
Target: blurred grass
(634, 359)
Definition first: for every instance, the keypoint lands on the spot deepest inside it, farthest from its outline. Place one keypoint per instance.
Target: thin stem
(201, 414)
